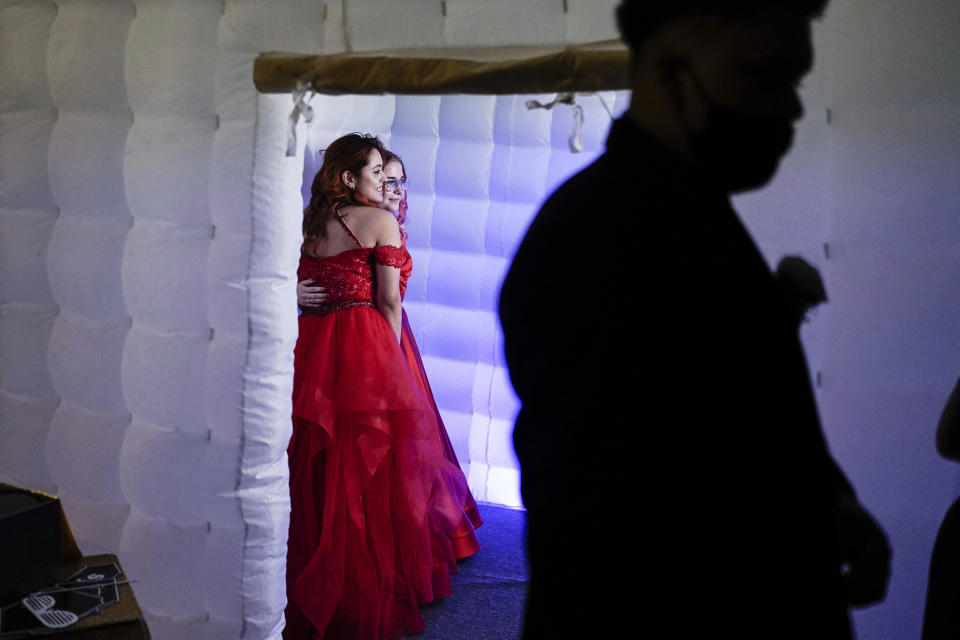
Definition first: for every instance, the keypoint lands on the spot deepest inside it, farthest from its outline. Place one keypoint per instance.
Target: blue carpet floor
(489, 591)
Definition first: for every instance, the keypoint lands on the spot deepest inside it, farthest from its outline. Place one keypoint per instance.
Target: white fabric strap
(576, 135)
(300, 106)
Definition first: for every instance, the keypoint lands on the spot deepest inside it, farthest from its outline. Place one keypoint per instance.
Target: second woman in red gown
(395, 200)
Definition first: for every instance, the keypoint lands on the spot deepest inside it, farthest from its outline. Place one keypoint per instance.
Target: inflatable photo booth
(154, 158)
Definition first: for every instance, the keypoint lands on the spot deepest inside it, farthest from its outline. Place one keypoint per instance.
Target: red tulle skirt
(379, 510)
(464, 540)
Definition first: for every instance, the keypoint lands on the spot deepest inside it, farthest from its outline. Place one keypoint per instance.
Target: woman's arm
(388, 275)
(309, 296)
(388, 296)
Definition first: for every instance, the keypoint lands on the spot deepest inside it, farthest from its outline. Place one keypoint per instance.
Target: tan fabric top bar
(600, 66)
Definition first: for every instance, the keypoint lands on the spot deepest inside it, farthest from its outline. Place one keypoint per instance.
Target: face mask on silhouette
(739, 150)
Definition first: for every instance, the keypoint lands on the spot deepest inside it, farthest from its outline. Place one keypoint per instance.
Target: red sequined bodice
(350, 276)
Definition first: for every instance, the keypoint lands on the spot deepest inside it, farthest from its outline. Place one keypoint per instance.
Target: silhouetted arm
(801, 284)
(948, 430)
(865, 552)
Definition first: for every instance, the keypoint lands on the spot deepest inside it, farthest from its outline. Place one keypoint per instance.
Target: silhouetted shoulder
(948, 429)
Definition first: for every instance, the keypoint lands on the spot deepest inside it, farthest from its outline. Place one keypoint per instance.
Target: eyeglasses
(395, 183)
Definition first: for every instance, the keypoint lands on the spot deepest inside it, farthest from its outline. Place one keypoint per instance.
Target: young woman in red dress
(309, 295)
(374, 515)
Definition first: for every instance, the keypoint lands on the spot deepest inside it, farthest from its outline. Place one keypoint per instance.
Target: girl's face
(369, 184)
(394, 188)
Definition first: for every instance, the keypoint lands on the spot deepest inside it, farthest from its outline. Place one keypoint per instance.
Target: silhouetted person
(675, 475)
(941, 617)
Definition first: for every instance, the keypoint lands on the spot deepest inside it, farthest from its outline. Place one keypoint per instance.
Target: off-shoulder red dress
(378, 514)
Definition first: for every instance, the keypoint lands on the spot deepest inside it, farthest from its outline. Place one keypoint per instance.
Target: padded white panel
(223, 380)
(170, 58)
(225, 546)
(23, 437)
(905, 197)
(26, 136)
(85, 159)
(374, 24)
(504, 22)
(590, 20)
(82, 449)
(250, 27)
(503, 483)
(171, 575)
(886, 52)
(26, 110)
(231, 166)
(169, 295)
(27, 217)
(85, 55)
(163, 378)
(165, 468)
(909, 294)
(94, 185)
(96, 524)
(83, 255)
(164, 190)
(24, 330)
(174, 489)
(90, 472)
(225, 290)
(23, 266)
(84, 361)
(24, 34)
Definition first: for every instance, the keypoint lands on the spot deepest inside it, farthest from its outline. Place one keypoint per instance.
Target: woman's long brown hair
(329, 194)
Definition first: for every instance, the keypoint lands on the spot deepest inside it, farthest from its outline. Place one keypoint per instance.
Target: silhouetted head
(351, 175)
(717, 81)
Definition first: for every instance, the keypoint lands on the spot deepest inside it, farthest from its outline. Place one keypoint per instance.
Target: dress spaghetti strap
(349, 230)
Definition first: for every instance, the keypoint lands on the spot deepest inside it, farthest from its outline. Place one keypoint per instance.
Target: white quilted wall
(149, 228)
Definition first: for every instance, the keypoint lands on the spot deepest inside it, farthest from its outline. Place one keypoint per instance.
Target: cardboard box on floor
(37, 549)
(35, 541)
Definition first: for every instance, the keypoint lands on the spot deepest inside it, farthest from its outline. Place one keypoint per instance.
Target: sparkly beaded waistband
(325, 309)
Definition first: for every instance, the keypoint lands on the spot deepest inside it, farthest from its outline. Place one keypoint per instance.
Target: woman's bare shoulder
(373, 226)
(364, 213)
(372, 218)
